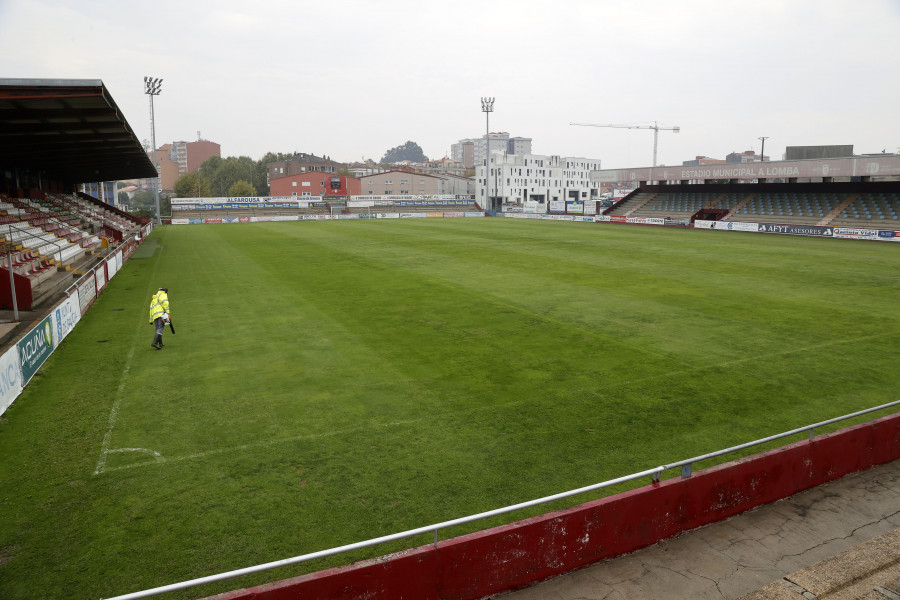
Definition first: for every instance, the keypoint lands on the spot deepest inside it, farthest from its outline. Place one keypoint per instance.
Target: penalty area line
(296, 438)
(158, 458)
(114, 413)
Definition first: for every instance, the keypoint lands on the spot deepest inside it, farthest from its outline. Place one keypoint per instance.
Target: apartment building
(301, 163)
(470, 152)
(444, 165)
(536, 181)
(175, 159)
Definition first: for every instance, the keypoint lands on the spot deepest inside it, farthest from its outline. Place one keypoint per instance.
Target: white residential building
(536, 183)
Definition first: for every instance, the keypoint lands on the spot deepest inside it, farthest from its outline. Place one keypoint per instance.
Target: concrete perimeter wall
(517, 555)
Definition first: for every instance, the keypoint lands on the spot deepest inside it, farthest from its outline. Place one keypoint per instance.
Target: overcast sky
(351, 78)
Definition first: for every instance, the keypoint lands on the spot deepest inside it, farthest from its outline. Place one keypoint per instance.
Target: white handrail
(476, 517)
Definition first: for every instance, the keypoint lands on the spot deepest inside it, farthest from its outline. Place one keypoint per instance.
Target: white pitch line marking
(113, 413)
(161, 459)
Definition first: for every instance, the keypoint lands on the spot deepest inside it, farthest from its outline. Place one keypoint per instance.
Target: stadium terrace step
(818, 539)
(869, 570)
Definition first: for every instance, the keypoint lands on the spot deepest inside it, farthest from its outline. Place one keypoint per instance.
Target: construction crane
(656, 127)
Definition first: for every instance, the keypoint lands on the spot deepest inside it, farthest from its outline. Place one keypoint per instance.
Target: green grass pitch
(335, 381)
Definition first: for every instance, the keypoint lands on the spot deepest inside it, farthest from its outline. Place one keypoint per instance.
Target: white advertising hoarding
(10, 378)
(65, 317)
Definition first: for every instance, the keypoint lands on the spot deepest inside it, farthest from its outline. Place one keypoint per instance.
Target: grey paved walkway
(747, 552)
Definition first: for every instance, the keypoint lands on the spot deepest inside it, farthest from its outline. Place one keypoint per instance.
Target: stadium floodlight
(487, 107)
(152, 87)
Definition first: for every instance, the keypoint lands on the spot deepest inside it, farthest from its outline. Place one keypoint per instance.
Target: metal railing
(686, 466)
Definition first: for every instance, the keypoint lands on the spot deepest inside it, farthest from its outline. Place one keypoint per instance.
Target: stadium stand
(866, 204)
(54, 135)
(53, 237)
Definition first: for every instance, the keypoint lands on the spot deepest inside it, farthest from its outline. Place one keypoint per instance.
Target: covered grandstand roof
(68, 129)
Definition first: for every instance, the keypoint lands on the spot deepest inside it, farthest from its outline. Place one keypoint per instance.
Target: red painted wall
(319, 185)
(24, 296)
(523, 553)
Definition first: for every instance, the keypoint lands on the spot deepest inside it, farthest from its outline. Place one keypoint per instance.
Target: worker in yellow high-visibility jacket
(159, 315)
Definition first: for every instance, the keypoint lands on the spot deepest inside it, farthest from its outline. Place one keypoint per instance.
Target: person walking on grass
(159, 315)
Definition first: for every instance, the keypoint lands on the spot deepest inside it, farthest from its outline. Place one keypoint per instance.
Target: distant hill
(410, 151)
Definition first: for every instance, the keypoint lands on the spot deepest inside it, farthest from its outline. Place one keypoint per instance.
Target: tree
(123, 198)
(262, 185)
(143, 203)
(186, 186)
(218, 175)
(241, 189)
(143, 199)
(221, 173)
(165, 205)
(409, 151)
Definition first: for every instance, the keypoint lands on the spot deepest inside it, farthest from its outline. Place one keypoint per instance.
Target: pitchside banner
(796, 230)
(10, 378)
(242, 200)
(112, 267)
(100, 274)
(35, 348)
(856, 234)
(65, 317)
(87, 291)
(574, 207)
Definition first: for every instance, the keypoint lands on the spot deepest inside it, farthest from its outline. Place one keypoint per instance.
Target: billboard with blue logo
(35, 347)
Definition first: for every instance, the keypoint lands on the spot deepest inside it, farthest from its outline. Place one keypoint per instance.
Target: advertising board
(855, 233)
(35, 348)
(65, 317)
(10, 378)
(751, 227)
(100, 274)
(810, 230)
(112, 267)
(87, 291)
(255, 200)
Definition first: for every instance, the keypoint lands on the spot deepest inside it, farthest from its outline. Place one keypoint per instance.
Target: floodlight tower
(151, 88)
(487, 107)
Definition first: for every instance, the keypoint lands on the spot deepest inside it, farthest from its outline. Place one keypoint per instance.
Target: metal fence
(685, 466)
